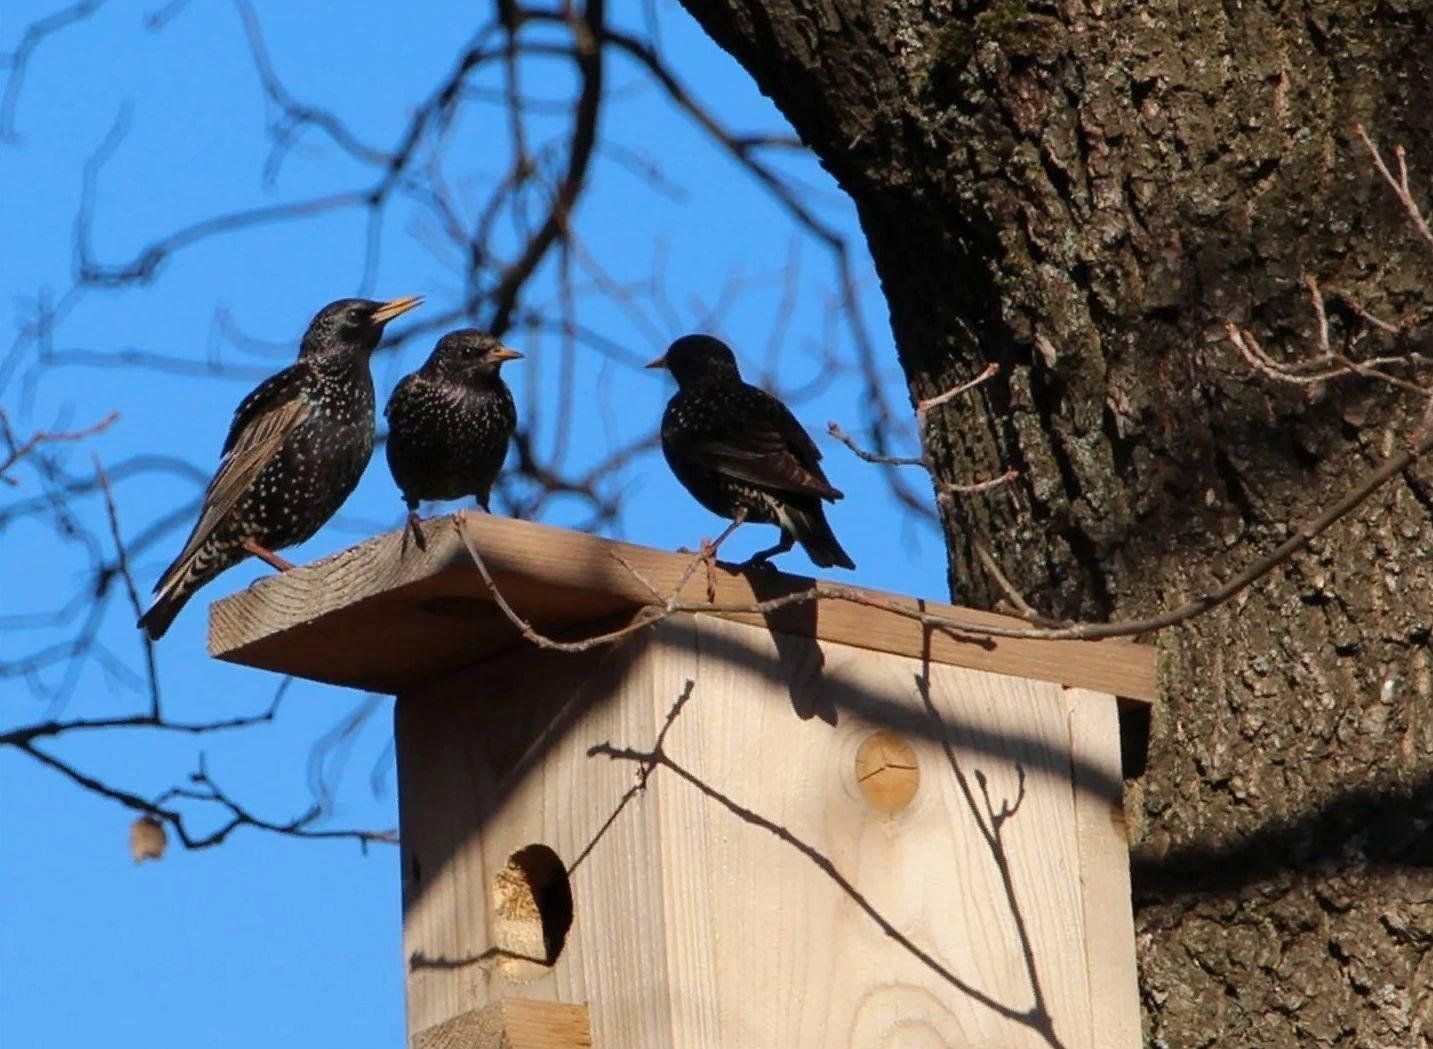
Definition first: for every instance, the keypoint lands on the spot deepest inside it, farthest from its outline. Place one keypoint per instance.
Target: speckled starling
(738, 449)
(449, 422)
(295, 451)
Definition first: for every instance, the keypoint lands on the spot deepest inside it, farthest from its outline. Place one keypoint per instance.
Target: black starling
(296, 449)
(740, 451)
(449, 422)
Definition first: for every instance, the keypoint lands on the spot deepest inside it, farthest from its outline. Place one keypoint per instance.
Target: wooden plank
(753, 919)
(465, 748)
(512, 1023)
(467, 801)
(384, 615)
(1104, 870)
(764, 901)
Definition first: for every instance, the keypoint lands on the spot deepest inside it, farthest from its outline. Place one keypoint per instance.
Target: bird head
(695, 357)
(468, 354)
(352, 325)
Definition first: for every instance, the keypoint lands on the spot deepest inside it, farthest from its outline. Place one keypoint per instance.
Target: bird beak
(505, 353)
(389, 310)
(660, 362)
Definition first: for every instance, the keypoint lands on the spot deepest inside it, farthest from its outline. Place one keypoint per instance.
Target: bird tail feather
(176, 586)
(812, 531)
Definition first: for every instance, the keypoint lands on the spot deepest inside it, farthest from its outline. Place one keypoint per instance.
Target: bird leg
(761, 557)
(414, 527)
(706, 555)
(266, 555)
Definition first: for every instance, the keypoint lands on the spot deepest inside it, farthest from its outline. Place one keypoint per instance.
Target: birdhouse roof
(385, 615)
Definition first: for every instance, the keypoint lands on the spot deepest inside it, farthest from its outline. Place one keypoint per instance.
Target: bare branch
(989, 372)
(17, 450)
(1399, 185)
(18, 61)
(206, 791)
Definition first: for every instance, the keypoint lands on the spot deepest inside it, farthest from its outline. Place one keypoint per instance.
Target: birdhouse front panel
(717, 835)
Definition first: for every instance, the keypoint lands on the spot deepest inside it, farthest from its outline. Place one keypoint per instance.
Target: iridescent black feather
(737, 448)
(295, 451)
(449, 423)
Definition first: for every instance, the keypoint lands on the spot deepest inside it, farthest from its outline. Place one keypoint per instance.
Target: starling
(296, 449)
(742, 453)
(449, 422)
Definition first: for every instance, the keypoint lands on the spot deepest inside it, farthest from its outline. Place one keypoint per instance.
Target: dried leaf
(147, 840)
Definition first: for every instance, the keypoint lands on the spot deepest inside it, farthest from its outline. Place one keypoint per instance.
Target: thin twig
(122, 563)
(928, 403)
(1016, 599)
(976, 487)
(41, 437)
(961, 628)
(1399, 185)
(834, 429)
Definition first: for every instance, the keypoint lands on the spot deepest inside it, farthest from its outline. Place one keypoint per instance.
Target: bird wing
(770, 448)
(262, 423)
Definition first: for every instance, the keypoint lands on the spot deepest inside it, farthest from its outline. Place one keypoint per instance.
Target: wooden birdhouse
(648, 806)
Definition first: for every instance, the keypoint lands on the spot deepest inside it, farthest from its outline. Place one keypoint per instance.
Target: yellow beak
(389, 310)
(505, 353)
(660, 362)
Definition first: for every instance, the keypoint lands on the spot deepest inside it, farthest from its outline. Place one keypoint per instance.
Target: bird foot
(267, 556)
(414, 527)
(762, 558)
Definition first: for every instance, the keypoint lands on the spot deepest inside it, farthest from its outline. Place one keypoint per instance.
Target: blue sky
(245, 944)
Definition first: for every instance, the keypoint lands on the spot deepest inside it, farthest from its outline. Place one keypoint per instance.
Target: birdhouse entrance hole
(532, 912)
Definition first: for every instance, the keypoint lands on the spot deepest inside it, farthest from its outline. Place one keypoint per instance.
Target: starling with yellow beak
(449, 423)
(295, 451)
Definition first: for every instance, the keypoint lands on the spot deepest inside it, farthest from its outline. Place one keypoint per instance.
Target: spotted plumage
(738, 449)
(295, 451)
(449, 422)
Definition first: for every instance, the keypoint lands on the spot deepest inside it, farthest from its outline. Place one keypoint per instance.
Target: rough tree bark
(1087, 193)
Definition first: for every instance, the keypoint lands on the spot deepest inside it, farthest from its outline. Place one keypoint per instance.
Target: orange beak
(660, 362)
(504, 353)
(389, 310)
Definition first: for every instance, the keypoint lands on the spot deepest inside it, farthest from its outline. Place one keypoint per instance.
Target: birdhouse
(649, 803)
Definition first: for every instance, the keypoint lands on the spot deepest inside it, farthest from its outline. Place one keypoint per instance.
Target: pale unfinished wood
(696, 928)
(384, 616)
(887, 770)
(512, 1023)
(1104, 870)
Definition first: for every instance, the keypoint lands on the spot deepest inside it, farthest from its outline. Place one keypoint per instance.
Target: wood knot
(887, 771)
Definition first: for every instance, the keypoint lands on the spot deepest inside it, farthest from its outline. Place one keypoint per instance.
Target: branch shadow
(1380, 828)
(1037, 1018)
(815, 687)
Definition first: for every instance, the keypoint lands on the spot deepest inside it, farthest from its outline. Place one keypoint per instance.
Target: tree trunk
(1087, 195)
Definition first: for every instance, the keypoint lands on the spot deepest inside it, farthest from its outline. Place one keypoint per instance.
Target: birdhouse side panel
(799, 900)
(772, 841)
(493, 760)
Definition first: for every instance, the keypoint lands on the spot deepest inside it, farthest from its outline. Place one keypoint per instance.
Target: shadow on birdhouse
(931, 851)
